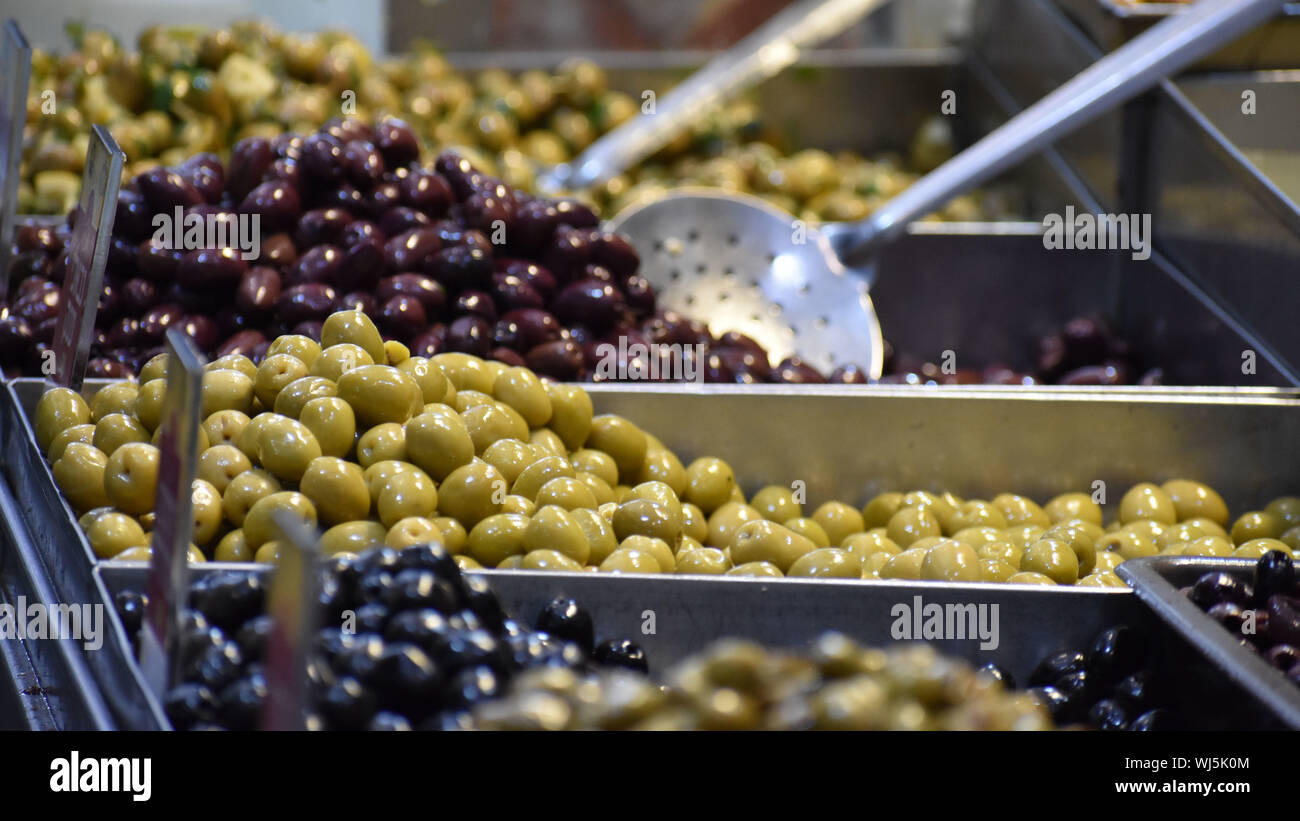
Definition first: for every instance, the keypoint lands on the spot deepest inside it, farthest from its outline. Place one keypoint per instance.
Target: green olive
(531, 480)
(1081, 540)
(830, 562)
(1211, 546)
(767, 541)
(413, 530)
(548, 560)
(379, 394)
(149, 403)
(224, 427)
(548, 441)
(905, 565)
(759, 569)
(571, 413)
(864, 545)
(84, 434)
(705, 561)
(466, 372)
(522, 390)
(243, 491)
(438, 442)
(233, 547)
(709, 483)
(952, 561)
(1019, 510)
(488, 423)
(839, 521)
(155, 368)
(117, 429)
(112, 533)
(303, 348)
(975, 513)
(1128, 543)
(1256, 524)
(658, 548)
(383, 442)
(510, 457)
(472, 492)
(623, 441)
(599, 489)
(1147, 501)
(1193, 500)
(662, 465)
(553, 528)
(352, 537)
(220, 464)
(453, 533)
(232, 362)
(332, 422)
(1023, 536)
(518, 504)
(286, 446)
(337, 360)
(810, 529)
(408, 493)
(58, 409)
(226, 390)
(630, 560)
(643, 517)
(1073, 506)
(881, 508)
(429, 377)
(205, 510)
(726, 520)
(777, 503)
(118, 397)
(596, 462)
(912, 523)
(601, 540)
(294, 396)
(1001, 551)
(569, 494)
(995, 570)
(1031, 577)
(1254, 548)
(337, 489)
(1285, 508)
(130, 476)
(274, 374)
(496, 538)
(1052, 558)
(259, 524)
(356, 328)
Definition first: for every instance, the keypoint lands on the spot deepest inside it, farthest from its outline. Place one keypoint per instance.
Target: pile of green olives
(739, 685)
(374, 446)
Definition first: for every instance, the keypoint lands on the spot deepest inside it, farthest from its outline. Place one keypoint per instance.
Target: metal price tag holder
(15, 72)
(291, 604)
(88, 254)
(167, 586)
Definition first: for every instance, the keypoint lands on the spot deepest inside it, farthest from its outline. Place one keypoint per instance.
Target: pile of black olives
(1265, 613)
(1111, 686)
(407, 642)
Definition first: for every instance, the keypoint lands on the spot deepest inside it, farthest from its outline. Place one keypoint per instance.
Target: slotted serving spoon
(751, 267)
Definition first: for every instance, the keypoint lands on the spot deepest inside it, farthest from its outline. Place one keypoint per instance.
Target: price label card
(15, 72)
(178, 445)
(87, 255)
(292, 607)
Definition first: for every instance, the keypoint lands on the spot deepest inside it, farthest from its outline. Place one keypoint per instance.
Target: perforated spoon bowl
(751, 267)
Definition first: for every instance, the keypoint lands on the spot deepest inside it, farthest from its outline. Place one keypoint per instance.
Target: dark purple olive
(249, 160)
(258, 290)
(568, 254)
(1212, 588)
(478, 304)
(157, 262)
(1283, 656)
(1116, 652)
(575, 214)
(15, 337)
(532, 327)
(361, 267)
(276, 203)
(133, 218)
(309, 328)
(792, 369)
(201, 329)
(399, 218)
(458, 171)
(461, 267)
(155, 322)
(320, 264)
(211, 268)
(1283, 620)
(639, 295)
(589, 301)
(1229, 615)
(322, 156)
(424, 288)
(37, 263)
(849, 374)
(1274, 573)
(402, 317)
(411, 250)
(38, 306)
(33, 237)
(321, 225)
(205, 173)
(241, 343)
(746, 366)
(165, 189)
(1157, 720)
(471, 335)
(511, 291)
(489, 214)
(303, 302)
(1085, 342)
(1095, 375)
(508, 356)
(125, 333)
(347, 197)
(431, 342)
(733, 339)
(534, 226)
(359, 231)
(362, 301)
(542, 280)
(716, 369)
(614, 252)
(121, 259)
(100, 367)
(396, 141)
(34, 285)
(426, 192)
(278, 250)
(1055, 666)
(599, 273)
(362, 164)
(560, 359)
(384, 197)
(288, 171)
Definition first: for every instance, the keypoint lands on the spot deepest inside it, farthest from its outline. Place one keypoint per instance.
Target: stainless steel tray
(1156, 581)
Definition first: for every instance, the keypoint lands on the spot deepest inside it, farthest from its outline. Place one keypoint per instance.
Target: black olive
(1081, 691)
(333, 597)
(376, 558)
(189, 704)
(1229, 615)
(349, 704)
(358, 661)
(228, 598)
(1055, 666)
(1139, 691)
(405, 677)
(370, 618)
(480, 599)
(512, 627)
(386, 721)
(253, 635)
(332, 641)
(216, 666)
(471, 686)
(1154, 721)
(1000, 674)
(1116, 652)
(449, 720)
(130, 608)
(621, 653)
(422, 628)
(428, 557)
(458, 649)
(200, 728)
(194, 643)
(563, 654)
(376, 586)
(1055, 701)
(1212, 588)
(419, 588)
(565, 619)
(241, 703)
(1283, 656)
(1274, 573)
(1108, 715)
(464, 620)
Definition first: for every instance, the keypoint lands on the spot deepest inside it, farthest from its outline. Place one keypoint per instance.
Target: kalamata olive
(311, 300)
(34, 285)
(249, 160)
(396, 141)
(961, 376)
(461, 267)
(745, 366)
(793, 369)
(201, 329)
(125, 333)
(1283, 656)
(1116, 652)
(477, 303)
(43, 331)
(716, 369)
(1152, 377)
(347, 197)
(402, 317)
(37, 263)
(59, 268)
(426, 192)
(568, 253)
(121, 259)
(205, 173)
(362, 164)
(276, 203)
(211, 268)
(241, 343)
(1274, 573)
(258, 290)
(1229, 615)
(534, 226)
(511, 292)
(132, 217)
(1212, 588)
(734, 339)
(560, 359)
(411, 250)
(399, 218)
(157, 262)
(39, 238)
(430, 342)
(426, 289)
(576, 214)
(533, 327)
(614, 252)
(599, 273)
(542, 280)
(589, 301)
(359, 231)
(15, 337)
(1283, 619)
(849, 374)
(361, 266)
(384, 197)
(319, 264)
(321, 225)
(278, 250)
(362, 301)
(470, 334)
(509, 357)
(100, 367)
(309, 328)
(1007, 376)
(489, 214)
(165, 189)
(38, 306)
(458, 171)
(1085, 341)
(1095, 375)
(156, 321)
(322, 156)
(288, 171)
(639, 295)
(347, 129)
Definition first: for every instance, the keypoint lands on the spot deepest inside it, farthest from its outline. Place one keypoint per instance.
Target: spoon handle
(1115, 78)
(771, 48)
